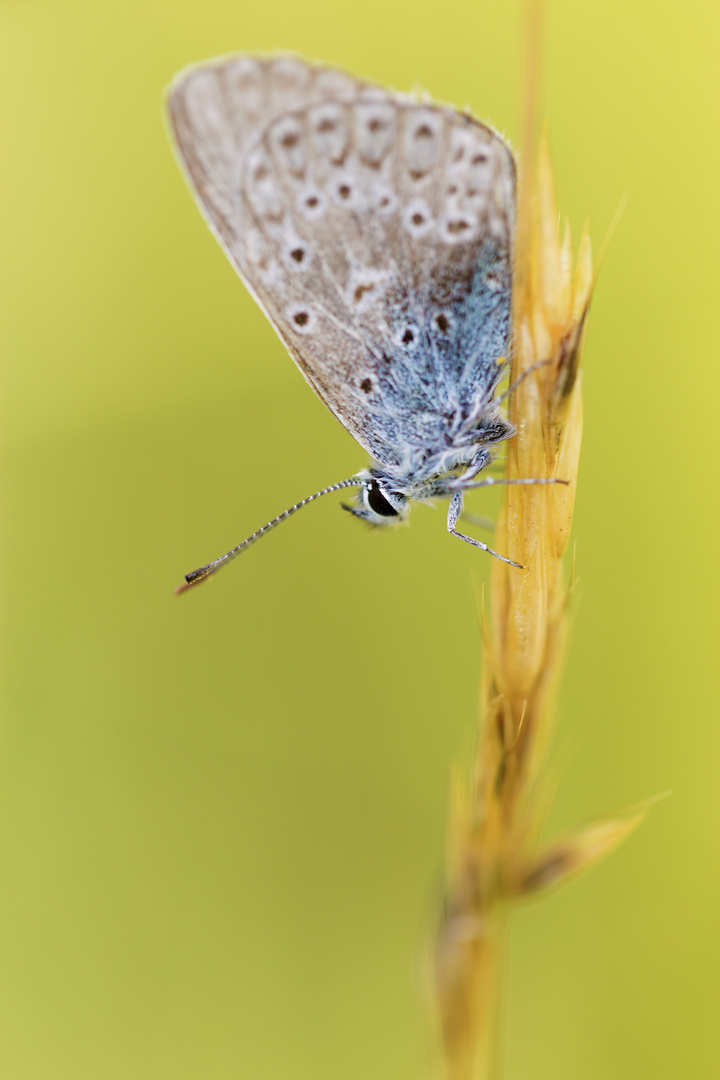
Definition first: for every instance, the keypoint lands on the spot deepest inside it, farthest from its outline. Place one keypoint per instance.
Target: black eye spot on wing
(417, 218)
(458, 226)
(408, 337)
(298, 254)
(441, 321)
(366, 385)
(303, 320)
(311, 204)
(361, 290)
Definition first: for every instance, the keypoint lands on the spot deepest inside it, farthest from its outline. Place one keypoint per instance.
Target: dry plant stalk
(496, 815)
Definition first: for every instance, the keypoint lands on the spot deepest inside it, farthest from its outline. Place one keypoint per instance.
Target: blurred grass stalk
(498, 811)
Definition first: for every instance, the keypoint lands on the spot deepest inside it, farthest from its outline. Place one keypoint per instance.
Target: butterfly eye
(377, 501)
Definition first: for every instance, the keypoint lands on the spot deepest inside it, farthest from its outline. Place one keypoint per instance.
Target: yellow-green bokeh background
(221, 818)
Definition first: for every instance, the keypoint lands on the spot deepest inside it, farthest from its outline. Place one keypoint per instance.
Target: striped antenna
(521, 378)
(204, 572)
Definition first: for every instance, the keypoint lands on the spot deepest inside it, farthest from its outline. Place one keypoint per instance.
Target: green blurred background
(222, 818)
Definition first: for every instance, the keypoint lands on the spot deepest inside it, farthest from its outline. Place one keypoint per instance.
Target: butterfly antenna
(521, 378)
(204, 572)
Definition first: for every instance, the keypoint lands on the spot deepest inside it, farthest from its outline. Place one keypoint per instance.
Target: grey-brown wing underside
(375, 232)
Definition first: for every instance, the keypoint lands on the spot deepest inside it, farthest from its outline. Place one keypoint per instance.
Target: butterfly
(376, 232)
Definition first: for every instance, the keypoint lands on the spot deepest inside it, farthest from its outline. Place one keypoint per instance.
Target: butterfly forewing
(376, 233)
(217, 109)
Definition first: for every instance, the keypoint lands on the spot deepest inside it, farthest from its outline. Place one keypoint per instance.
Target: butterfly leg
(482, 458)
(454, 512)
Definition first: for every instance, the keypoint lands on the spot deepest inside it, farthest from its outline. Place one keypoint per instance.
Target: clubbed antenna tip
(195, 578)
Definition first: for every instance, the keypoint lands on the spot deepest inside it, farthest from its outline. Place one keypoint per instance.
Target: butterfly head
(378, 501)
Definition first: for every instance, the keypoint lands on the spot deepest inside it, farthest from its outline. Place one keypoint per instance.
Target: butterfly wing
(216, 109)
(376, 233)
